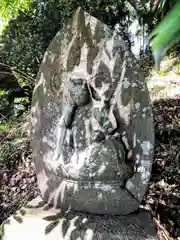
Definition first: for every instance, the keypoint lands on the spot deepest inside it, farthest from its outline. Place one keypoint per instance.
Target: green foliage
(6, 107)
(9, 154)
(150, 12)
(166, 34)
(10, 8)
(3, 102)
(2, 92)
(9, 124)
(162, 73)
(27, 36)
(177, 65)
(5, 127)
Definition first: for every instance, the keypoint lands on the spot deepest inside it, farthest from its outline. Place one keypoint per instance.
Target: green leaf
(10, 8)
(166, 34)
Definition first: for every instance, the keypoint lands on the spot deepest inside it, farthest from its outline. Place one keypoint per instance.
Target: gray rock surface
(92, 122)
(39, 221)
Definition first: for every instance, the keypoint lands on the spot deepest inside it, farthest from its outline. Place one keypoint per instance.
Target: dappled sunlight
(164, 87)
(57, 223)
(76, 164)
(106, 159)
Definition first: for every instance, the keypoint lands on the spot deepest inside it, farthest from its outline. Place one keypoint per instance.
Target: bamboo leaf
(166, 34)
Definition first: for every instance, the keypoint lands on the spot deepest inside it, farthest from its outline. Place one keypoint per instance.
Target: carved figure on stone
(93, 135)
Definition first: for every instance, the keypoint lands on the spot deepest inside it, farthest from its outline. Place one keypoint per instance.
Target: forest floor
(18, 179)
(163, 197)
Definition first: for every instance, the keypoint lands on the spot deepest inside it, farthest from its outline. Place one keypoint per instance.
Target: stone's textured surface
(92, 136)
(42, 222)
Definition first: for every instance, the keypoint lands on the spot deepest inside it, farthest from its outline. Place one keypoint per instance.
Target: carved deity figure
(104, 157)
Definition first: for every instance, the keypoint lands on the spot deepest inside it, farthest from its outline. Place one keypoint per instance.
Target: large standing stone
(93, 135)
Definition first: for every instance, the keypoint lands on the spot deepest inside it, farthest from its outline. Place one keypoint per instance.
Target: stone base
(42, 222)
